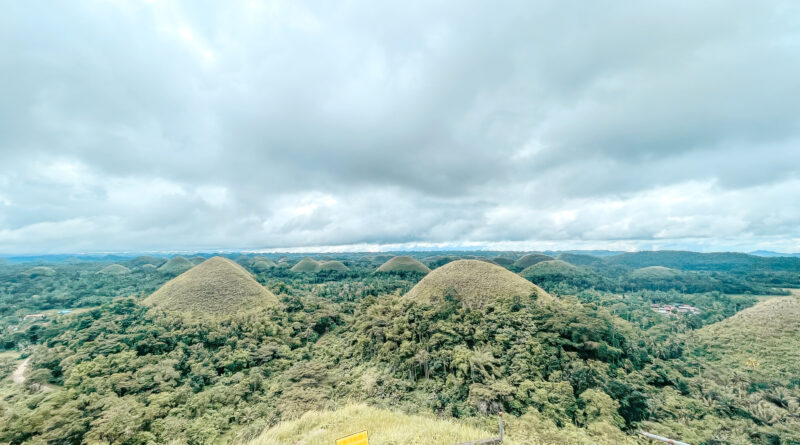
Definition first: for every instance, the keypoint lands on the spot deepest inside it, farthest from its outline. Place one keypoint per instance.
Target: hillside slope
(764, 339)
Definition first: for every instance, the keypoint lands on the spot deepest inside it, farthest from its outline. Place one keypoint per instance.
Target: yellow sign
(354, 439)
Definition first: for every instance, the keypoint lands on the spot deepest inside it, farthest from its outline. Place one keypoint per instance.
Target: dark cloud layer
(271, 124)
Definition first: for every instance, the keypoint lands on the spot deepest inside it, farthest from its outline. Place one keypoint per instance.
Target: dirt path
(19, 374)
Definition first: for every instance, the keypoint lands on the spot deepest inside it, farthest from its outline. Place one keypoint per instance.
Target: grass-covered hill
(743, 384)
(763, 340)
(307, 265)
(439, 260)
(197, 259)
(474, 284)
(531, 259)
(578, 259)
(114, 269)
(503, 261)
(557, 271)
(142, 260)
(655, 272)
(176, 265)
(216, 287)
(333, 265)
(718, 261)
(40, 271)
(403, 264)
(262, 265)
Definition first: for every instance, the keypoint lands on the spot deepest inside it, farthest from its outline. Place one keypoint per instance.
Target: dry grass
(333, 265)
(531, 259)
(114, 269)
(764, 339)
(387, 427)
(218, 286)
(306, 265)
(178, 264)
(384, 427)
(403, 264)
(474, 283)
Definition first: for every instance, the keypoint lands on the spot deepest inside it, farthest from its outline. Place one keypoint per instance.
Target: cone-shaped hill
(403, 264)
(503, 261)
(475, 283)
(306, 265)
(218, 286)
(177, 264)
(551, 266)
(333, 265)
(40, 271)
(142, 260)
(531, 259)
(114, 269)
(261, 264)
(197, 259)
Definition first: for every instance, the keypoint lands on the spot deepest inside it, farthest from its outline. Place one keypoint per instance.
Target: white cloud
(270, 124)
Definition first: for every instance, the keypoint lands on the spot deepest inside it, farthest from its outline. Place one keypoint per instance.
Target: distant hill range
(769, 253)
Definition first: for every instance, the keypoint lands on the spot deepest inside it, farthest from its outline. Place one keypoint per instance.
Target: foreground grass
(383, 426)
(387, 427)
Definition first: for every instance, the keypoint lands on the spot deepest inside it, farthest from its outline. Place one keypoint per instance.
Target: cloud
(271, 124)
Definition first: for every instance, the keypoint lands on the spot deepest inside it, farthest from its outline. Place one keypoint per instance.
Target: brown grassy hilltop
(306, 265)
(114, 269)
(218, 286)
(178, 264)
(403, 264)
(333, 265)
(475, 283)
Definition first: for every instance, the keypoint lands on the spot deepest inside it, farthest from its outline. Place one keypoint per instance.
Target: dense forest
(598, 363)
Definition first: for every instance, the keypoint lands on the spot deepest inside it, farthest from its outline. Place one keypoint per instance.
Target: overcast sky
(161, 125)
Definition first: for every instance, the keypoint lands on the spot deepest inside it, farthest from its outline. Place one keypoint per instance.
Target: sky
(361, 125)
